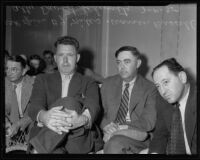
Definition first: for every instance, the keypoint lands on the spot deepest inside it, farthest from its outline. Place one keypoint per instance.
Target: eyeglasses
(12, 70)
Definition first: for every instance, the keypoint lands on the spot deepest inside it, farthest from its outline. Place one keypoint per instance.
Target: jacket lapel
(190, 114)
(55, 85)
(136, 94)
(117, 91)
(75, 85)
(26, 93)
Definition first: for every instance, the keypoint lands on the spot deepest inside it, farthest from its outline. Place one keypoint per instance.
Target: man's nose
(65, 59)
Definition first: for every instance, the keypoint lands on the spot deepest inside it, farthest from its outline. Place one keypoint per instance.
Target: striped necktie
(123, 109)
(176, 143)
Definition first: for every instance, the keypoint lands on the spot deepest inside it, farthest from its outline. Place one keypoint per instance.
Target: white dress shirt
(18, 91)
(182, 107)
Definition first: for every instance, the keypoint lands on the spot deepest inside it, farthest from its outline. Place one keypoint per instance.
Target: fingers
(110, 128)
(56, 114)
(54, 129)
(59, 122)
(64, 129)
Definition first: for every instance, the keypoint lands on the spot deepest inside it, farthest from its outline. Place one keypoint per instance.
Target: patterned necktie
(123, 109)
(176, 143)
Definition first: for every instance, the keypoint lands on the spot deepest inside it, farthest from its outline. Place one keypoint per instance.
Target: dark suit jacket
(47, 89)
(163, 124)
(142, 103)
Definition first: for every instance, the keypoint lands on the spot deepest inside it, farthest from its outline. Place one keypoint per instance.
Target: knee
(113, 146)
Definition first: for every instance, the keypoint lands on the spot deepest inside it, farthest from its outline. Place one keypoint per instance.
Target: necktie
(176, 143)
(14, 115)
(123, 109)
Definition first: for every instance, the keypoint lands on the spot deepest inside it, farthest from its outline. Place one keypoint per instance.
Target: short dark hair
(17, 58)
(67, 40)
(132, 49)
(172, 65)
(35, 56)
(45, 52)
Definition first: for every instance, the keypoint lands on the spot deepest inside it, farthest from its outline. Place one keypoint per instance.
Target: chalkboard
(52, 16)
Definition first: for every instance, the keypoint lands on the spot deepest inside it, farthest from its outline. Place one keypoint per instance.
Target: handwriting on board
(92, 15)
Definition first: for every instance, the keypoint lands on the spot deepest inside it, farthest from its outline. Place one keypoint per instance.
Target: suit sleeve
(147, 119)
(92, 99)
(160, 135)
(38, 98)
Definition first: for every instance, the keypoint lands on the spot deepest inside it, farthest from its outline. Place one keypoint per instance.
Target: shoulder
(145, 83)
(29, 79)
(112, 79)
(48, 76)
(83, 78)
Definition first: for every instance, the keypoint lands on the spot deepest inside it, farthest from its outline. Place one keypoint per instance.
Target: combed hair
(67, 40)
(172, 65)
(17, 58)
(132, 49)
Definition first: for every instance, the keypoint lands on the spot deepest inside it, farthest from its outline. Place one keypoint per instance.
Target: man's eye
(127, 61)
(118, 62)
(165, 82)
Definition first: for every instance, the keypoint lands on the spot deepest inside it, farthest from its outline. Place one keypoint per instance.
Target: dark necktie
(123, 109)
(176, 142)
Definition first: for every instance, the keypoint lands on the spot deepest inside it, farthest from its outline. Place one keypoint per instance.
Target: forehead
(48, 55)
(65, 48)
(126, 55)
(162, 73)
(35, 61)
(13, 64)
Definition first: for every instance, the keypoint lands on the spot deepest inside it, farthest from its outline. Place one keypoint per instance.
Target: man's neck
(185, 91)
(18, 81)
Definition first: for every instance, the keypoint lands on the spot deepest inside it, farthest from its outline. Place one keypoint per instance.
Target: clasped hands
(61, 120)
(112, 129)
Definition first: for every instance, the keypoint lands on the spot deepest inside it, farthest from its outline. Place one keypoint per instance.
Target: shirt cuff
(87, 114)
(39, 123)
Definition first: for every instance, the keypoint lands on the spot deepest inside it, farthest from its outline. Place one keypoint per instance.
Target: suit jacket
(163, 124)
(48, 88)
(27, 86)
(142, 102)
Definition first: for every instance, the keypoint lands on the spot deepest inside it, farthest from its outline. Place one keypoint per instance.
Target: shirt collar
(131, 82)
(18, 84)
(64, 77)
(183, 101)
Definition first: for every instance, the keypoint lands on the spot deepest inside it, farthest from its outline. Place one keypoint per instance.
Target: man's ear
(139, 62)
(78, 57)
(182, 76)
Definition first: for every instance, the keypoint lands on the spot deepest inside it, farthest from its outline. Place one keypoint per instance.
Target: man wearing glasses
(18, 89)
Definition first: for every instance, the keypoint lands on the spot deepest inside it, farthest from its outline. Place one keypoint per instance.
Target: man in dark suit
(67, 82)
(127, 131)
(172, 83)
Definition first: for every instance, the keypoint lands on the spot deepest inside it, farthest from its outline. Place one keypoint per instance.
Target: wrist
(41, 116)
